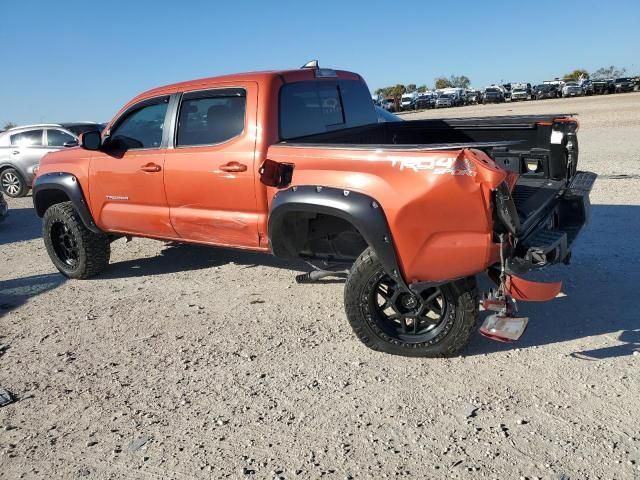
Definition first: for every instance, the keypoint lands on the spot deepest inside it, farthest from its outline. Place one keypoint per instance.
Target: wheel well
(321, 236)
(46, 198)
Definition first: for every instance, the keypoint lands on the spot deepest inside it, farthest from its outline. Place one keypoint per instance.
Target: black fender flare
(361, 210)
(68, 184)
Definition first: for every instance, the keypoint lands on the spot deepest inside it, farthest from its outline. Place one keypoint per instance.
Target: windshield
(445, 95)
(492, 90)
(623, 80)
(515, 90)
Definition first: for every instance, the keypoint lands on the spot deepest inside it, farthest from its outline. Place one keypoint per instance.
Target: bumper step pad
(582, 183)
(546, 246)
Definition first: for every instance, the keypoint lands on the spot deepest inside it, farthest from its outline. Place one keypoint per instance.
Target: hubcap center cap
(409, 301)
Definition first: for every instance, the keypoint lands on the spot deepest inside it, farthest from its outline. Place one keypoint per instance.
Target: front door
(126, 176)
(209, 172)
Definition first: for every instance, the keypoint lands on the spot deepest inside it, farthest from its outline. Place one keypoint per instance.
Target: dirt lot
(189, 362)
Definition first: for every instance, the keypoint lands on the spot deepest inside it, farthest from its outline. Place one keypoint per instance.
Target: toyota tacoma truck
(295, 163)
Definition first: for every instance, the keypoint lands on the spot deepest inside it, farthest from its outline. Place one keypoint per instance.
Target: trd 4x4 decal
(437, 165)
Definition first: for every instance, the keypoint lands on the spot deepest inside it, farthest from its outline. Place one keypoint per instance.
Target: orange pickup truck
(296, 163)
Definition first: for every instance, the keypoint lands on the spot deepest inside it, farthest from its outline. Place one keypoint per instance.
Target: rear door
(209, 166)
(126, 177)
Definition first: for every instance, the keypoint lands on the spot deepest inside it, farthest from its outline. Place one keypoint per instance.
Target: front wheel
(435, 323)
(76, 251)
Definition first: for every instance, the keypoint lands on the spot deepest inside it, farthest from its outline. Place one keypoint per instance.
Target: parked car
(386, 116)
(424, 101)
(519, 93)
(327, 183)
(506, 90)
(389, 104)
(473, 97)
(543, 91)
(600, 86)
(445, 100)
(457, 95)
(407, 101)
(623, 85)
(493, 95)
(587, 87)
(21, 149)
(572, 89)
(4, 208)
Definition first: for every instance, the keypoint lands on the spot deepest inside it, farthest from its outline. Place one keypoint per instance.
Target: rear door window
(30, 138)
(312, 107)
(211, 117)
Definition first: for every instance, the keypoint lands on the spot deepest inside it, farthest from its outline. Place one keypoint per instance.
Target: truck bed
(514, 142)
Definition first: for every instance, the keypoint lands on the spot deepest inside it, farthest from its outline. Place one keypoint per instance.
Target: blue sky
(79, 60)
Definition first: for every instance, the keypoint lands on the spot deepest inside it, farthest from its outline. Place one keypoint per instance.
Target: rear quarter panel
(437, 203)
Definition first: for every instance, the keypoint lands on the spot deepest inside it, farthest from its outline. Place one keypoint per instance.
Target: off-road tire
(12, 176)
(93, 249)
(462, 313)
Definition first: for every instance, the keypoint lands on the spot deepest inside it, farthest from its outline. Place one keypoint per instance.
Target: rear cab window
(318, 106)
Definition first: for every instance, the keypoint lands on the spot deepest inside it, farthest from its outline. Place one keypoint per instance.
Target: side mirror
(91, 140)
(71, 143)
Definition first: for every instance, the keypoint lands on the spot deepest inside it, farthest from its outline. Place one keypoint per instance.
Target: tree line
(602, 73)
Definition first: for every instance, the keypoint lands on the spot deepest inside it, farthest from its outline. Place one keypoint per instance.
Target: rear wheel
(76, 251)
(13, 184)
(435, 323)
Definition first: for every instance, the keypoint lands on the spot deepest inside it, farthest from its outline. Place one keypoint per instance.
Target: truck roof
(261, 77)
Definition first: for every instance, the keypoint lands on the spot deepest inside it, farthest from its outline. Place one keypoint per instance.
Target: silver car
(444, 100)
(21, 149)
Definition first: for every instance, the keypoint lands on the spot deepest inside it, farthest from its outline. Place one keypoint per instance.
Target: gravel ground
(191, 362)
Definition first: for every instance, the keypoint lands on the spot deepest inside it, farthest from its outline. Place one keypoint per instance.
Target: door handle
(150, 167)
(15, 152)
(233, 167)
